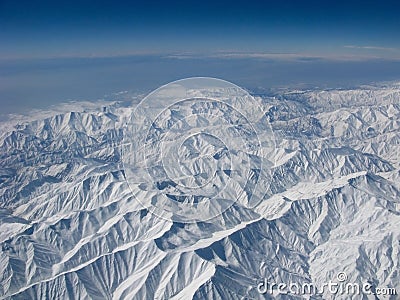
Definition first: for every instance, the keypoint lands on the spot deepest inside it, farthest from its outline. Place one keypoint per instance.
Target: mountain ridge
(71, 228)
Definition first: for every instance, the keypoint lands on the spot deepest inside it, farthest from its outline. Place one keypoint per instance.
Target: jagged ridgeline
(71, 228)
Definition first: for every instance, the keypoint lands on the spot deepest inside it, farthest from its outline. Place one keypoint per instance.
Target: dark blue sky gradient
(104, 28)
(52, 51)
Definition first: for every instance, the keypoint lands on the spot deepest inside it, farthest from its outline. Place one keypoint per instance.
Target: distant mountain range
(71, 228)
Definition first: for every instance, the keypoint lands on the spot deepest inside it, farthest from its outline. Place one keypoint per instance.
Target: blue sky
(112, 28)
(55, 51)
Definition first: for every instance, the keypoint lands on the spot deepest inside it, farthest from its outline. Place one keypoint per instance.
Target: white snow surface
(71, 228)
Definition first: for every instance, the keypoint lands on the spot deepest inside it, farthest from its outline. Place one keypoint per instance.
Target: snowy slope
(71, 228)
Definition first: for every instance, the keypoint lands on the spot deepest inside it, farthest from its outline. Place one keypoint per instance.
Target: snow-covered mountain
(71, 227)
